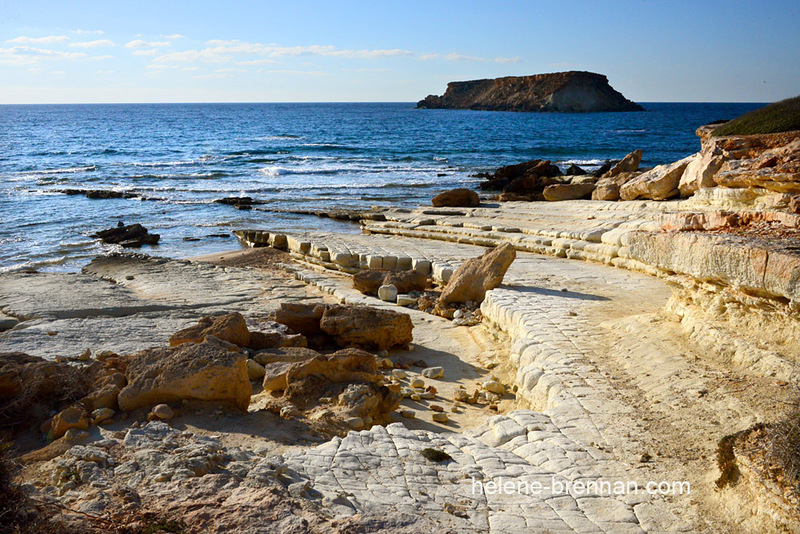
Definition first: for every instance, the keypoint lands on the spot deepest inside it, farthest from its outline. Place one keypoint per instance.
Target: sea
(180, 158)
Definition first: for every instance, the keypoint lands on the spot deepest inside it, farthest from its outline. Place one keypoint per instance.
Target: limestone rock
(162, 412)
(231, 328)
(255, 371)
(387, 293)
(433, 372)
(101, 415)
(368, 281)
(701, 170)
(72, 417)
(494, 386)
(659, 183)
(365, 327)
(207, 371)
(478, 275)
(347, 365)
(568, 191)
(630, 163)
(266, 340)
(407, 281)
(607, 191)
(456, 198)
(301, 318)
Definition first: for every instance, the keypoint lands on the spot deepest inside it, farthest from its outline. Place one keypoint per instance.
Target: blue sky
(299, 51)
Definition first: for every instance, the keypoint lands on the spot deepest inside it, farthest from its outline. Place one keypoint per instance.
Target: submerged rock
(134, 235)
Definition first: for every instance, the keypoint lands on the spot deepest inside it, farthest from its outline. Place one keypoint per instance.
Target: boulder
(285, 354)
(368, 281)
(607, 191)
(568, 191)
(72, 417)
(407, 281)
(574, 170)
(456, 198)
(134, 235)
(478, 275)
(348, 365)
(608, 188)
(659, 183)
(207, 371)
(368, 328)
(231, 328)
(629, 163)
(604, 168)
(301, 318)
(266, 340)
(701, 170)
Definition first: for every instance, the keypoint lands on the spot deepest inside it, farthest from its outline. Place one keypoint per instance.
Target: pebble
(461, 395)
(427, 395)
(356, 423)
(436, 408)
(440, 417)
(287, 412)
(255, 370)
(458, 314)
(408, 414)
(386, 363)
(416, 397)
(399, 374)
(433, 372)
(417, 383)
(163, 412)
(405, 300)
(102, 415)
(494, 387)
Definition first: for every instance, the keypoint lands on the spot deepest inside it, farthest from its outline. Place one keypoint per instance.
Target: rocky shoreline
(367, 382)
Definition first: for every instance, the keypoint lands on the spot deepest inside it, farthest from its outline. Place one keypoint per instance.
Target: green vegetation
(781, 116)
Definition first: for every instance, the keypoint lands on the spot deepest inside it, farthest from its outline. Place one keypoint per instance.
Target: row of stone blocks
(346, 261)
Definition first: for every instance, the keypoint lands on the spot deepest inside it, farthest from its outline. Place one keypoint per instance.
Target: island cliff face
(573, 91)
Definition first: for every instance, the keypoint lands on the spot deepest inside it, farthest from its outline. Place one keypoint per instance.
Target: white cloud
(217, 51)
(173, 36)
(151, 52)
(89, 32)
(50, 39)
(27, 55)
(93, 44)
(139, 43)
(257, 62)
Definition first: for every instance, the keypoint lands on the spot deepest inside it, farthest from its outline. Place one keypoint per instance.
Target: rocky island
(574, 91)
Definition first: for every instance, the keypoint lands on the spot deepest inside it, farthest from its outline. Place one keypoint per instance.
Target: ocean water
(290, 156)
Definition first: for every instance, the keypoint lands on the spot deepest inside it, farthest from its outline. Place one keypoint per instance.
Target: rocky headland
(574, 91)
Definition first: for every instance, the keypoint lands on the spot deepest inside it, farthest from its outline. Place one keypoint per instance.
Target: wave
(597, 162)
(278, 170)
(65, 170)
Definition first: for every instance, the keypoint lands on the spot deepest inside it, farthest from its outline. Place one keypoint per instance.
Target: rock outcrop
(478, 275)
(209, 371)
(574, 91)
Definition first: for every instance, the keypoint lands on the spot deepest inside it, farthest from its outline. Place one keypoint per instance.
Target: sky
(382, 51)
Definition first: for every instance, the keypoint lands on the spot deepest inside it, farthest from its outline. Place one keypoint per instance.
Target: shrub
(781, 116)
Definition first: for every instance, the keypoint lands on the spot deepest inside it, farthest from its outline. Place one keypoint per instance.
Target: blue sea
(290, 156)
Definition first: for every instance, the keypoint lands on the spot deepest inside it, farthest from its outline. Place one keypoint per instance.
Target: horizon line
(337, 102)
